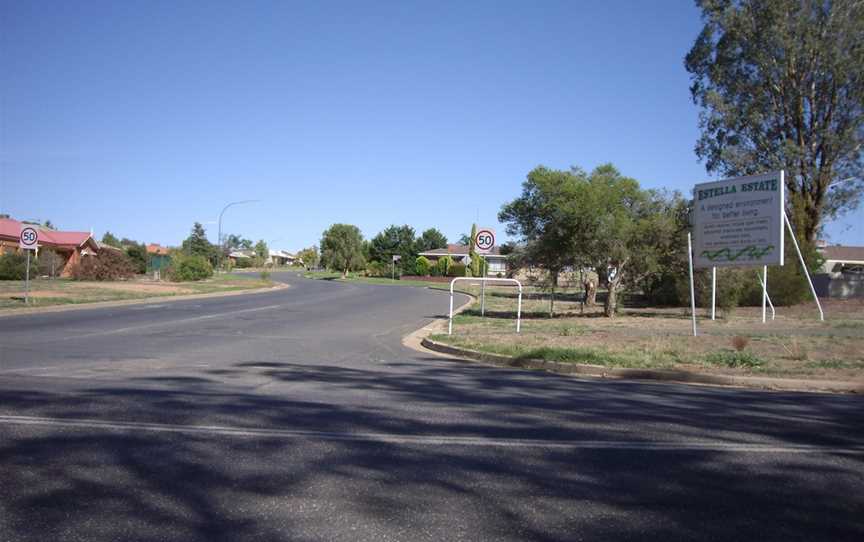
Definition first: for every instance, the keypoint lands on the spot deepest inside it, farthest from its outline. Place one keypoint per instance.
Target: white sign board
(484, 241)
(739, 222)
(29, 237)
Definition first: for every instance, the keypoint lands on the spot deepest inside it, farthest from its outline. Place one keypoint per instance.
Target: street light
(219, 239)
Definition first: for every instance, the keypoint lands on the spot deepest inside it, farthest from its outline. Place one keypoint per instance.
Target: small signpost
(396, 258)
(28, 240)
(484, 242)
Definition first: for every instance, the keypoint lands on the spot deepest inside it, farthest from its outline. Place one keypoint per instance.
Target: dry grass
(795, 344)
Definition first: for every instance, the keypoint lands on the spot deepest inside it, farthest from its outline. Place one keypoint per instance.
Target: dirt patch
(134, 287)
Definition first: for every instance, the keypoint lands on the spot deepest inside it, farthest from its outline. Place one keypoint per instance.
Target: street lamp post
(219, 239)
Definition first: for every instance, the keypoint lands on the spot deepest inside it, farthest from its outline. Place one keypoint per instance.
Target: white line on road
(431, 440)
(173, 322)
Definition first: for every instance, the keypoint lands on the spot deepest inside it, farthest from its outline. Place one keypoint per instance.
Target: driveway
(298, 415)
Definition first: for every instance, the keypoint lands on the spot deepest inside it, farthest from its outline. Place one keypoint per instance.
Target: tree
(780, 87)
(546, 230)
(422, 266)
(137, 253)
(342, 248)
(197, 244)
(309, 256)
(261, 250)
(430, 240)
(397, 240)
(464, 239)
(111, 240)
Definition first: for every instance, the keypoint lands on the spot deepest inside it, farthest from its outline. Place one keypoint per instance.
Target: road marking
(173, 322)
(433, 440)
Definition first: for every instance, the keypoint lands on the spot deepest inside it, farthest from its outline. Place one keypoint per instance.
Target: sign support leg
(764, 291)
(519, 311)
(692, 288)
(804, 266)
(483, 298)
(27, 281)
(713, 292)
(770, 304)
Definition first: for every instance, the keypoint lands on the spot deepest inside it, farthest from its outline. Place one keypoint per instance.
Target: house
(282, 257)
(70, 247)
(842, 274)
(459, 253)
(238, 255)
(158, 257)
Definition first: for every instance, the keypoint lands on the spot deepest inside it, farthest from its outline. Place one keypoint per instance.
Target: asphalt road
(298, 415)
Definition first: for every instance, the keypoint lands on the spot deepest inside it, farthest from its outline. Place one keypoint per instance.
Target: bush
(265, 275)
(734, 359)
(443, 265)
(189, 268)
(457, 270)
(244, 263)
(422, 266)
(108, 265)
(138, 256)
(378, 269)
(13, 266)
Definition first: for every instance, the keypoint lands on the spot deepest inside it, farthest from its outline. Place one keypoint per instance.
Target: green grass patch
(835, 364)
(731, 358)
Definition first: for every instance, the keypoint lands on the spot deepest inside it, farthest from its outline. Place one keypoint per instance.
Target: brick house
(70, 246)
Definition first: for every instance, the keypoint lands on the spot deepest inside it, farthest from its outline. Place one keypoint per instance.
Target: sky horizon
(141, 119)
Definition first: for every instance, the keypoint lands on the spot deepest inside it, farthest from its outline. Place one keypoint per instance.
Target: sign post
(484, 242)
(28, 240)
(396, 258)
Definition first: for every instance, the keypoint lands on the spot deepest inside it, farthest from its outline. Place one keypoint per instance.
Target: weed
(739, 342)
(795, 349)
(731, 358)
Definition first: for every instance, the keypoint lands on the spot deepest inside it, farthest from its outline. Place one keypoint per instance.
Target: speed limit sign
(484, 241)
(29, 238)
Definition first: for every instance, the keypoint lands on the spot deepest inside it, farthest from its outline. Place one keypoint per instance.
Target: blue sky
(143, 117)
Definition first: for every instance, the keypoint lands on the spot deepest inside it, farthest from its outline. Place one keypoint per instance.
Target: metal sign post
(692, 288)
(804, 266)
(764, 290)
(28, 240)
(484, 243)
(396, 258)
(713, 292)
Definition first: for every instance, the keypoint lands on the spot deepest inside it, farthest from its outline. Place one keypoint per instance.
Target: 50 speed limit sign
(484, 241)
(29, 238)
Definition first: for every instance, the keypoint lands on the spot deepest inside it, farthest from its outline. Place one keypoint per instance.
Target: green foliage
(244, 263)
(108, 265)
(443, 265)
(422, 266)
(198, 245)
(732, 358)
(779, 85)
(265, 275)
(398, 240)
(110, 239)
(137, 253)
(379, 270)
(13, 266)
(309, 256)
(342, 248)
(50, 263)
(261, 251)
(189, 268)
(430, 240)
(457, 270)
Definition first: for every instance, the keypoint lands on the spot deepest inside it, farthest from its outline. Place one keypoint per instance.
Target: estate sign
(739, 222)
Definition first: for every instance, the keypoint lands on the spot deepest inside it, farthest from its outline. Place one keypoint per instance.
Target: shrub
(244, 263)
(457, 270)
(137, 254)
(189, 268)
(13, 266)
(108, 265)
(734, 359)
(443, 265)
(739, 342)
(265, 275)
(378, 269)
(422, 266)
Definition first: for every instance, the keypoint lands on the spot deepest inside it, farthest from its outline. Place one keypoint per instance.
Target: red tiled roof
(156, 248)
(841, 254)
(70, 239)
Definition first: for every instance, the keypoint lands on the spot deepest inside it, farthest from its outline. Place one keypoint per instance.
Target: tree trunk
(590, 292)
(552, 303)
(611, 299)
